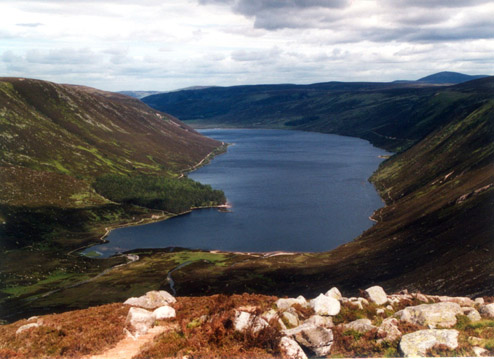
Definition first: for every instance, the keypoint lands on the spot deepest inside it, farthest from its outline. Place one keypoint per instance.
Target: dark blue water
(289, 190)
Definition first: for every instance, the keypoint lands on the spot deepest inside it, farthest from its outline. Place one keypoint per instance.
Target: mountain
(139, 94)
(384, 113)
(142, 94)
(75, 133)
(434, 234)
(76, 160)
(447, 77)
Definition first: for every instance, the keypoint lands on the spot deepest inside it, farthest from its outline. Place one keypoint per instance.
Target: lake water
(289, 191)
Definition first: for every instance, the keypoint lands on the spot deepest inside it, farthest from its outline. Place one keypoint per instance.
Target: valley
(433, 235)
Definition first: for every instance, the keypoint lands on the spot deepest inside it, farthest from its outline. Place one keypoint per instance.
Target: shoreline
(164, 215)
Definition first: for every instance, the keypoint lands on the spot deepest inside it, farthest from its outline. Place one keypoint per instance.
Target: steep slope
(56, 142)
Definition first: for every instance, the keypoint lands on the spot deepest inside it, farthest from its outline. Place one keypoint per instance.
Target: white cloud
(162, 45)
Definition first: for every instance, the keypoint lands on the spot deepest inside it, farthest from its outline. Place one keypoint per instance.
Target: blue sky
(169, 44)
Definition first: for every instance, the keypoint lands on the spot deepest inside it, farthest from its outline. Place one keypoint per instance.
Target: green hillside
(57, 143)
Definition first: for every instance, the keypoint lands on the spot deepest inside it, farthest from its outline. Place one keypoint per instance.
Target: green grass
(217, 258)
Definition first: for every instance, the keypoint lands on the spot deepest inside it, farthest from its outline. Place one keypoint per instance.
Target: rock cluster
(314, 336)
(140, 320)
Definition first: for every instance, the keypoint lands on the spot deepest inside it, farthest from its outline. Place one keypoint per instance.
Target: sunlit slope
(58, 138)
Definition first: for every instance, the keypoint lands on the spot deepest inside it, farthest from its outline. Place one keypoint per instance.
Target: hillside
(57, 143)
(158, 325)
(434, 235)
(448, 77)
(384, 113)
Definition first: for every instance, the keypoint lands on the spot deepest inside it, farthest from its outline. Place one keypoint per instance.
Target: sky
(164, 45)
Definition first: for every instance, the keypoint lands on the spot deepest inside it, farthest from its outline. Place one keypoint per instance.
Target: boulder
(320, 321)
(291, 349)
(285, 303)
(140, 320)
(388, 330)
(478, 351)
(164, 312)
(377, 295)
(463, 301)
(334, 293)
(479, 301)
(151, 300)
(422, 297)
(290, 319)
(323, 305)
(471, 313)
(26, 327)
(244, 321)
(317, 339)
(431, 315)
(487, 310)
(359, 325)
(416, 344)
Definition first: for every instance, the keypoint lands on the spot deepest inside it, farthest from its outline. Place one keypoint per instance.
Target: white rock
(324, 305)
(285, 303)
(152, 300)
(32, 318)
(291, 319)
(480, 351)
(140, 320)
(431, 315)
(244, 321)
(463, 301)
(416, 344)
(472, 314)
(334, 293)
(479, 300)
(291, 349)
(422, 298)
(317, 339)
(26, 327)
(270, 315)
(363, 301)
(389, 330)
(377, 295)
(320, 321)
(487, 310)
(165, 312)
(359, 325)
(389, 307)
(380, 311)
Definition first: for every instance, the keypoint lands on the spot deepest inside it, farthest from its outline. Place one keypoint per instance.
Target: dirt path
(129, 347)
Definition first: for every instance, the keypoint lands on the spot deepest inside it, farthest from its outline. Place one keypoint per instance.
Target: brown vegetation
(70, 334)
(206, 330)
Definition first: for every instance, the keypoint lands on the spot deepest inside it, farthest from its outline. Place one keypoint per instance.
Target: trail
(129, 347)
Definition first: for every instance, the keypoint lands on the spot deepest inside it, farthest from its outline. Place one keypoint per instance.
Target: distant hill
(139, 94)
(142, 94)
(384, 113)
(447, 77)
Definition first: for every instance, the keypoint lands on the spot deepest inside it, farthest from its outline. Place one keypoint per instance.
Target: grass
(218, 259)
